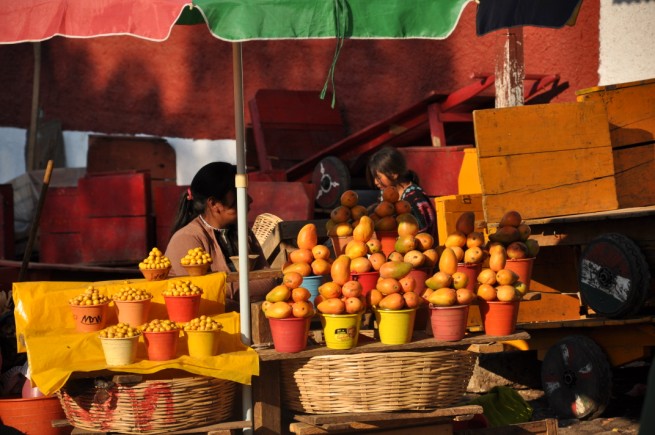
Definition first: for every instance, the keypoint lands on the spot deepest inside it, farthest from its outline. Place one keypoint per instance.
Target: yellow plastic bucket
(120, 351)
(202, 343)
(341, 331)
(396, 326)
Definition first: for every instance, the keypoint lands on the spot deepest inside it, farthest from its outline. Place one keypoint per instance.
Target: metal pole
(242, 212)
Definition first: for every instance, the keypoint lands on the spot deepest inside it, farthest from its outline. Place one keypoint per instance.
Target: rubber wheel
(332, 178)
(614, 277)
(576, 378)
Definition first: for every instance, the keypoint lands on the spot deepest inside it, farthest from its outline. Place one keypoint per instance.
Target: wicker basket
(148, 406)
(376, 382)
(264, 226)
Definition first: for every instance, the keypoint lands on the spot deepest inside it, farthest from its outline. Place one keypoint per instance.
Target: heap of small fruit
(155, 260)
(121, 330)
(311, 258)
(395, 289)
(345, 217)
(288, 299)
(386, 211)
(131, 294)
(182, 287)
(502, 285)
(335, 298)
(448, 286)
(196, 256)
(513, 235)
(203, 323)
(158, 325)
(466, 243)
(91, 296)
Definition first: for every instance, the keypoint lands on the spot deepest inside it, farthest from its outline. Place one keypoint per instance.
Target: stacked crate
(60, 237)
(116, 221)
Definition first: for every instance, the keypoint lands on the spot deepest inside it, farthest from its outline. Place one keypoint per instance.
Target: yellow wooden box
(450, 207)
(631, 121)
(545, 160)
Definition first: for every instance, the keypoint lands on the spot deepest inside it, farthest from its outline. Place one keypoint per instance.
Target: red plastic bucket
(472, 271)
(33, 416)
(420, 275)
(523, 268)
(499, 318)
(449, 323)
(387, 240)
(290, 334)
(182, 308)
(368, 280)
(161, 346)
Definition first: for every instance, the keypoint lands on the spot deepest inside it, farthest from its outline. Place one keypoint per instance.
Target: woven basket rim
(264, 226)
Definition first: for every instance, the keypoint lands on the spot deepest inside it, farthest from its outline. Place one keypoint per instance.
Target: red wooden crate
(61, 248)
(61, 213)
(165, 200)
(6, 221)
(291, 201)
(115, 194)
(437, 167)
(116, 240)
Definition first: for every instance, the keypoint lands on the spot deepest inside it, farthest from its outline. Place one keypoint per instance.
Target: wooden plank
(541, 427)
(631, 164)
(387, 416)
(630, 110)
(260, 328)
(214, 429)
(267, 409)
(529, 159)
(435, 429)
(420, 342)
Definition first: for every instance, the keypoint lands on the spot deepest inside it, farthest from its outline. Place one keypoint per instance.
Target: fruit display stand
(278, 406)
(577, 172)
(71, 363)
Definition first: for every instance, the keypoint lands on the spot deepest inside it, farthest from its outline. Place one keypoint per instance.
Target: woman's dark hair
(214, 180)
(389, 161)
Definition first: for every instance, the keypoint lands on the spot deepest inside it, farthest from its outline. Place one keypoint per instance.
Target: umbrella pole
(241, 183)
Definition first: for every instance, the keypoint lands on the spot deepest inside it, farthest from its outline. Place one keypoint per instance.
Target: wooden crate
(116, 240)
(545, 160)
(61, 248)
(438, 168)
(631, 120)
(60, 212)
(449, 208)
(115, 194)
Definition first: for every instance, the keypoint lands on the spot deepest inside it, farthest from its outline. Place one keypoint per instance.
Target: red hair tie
(189, 195)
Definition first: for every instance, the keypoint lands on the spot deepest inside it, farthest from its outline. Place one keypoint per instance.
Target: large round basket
(376, 382)
(148, 406)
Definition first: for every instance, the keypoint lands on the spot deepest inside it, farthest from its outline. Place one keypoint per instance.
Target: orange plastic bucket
(182, 308)
(161, 346)
(89, 318)
(472, 271)
(499, 318)
(134, 313)
(522, 267)
(290, 334)
(33, 416)
(449, 323)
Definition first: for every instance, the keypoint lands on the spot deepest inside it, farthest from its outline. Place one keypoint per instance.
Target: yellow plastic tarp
(45, 329)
